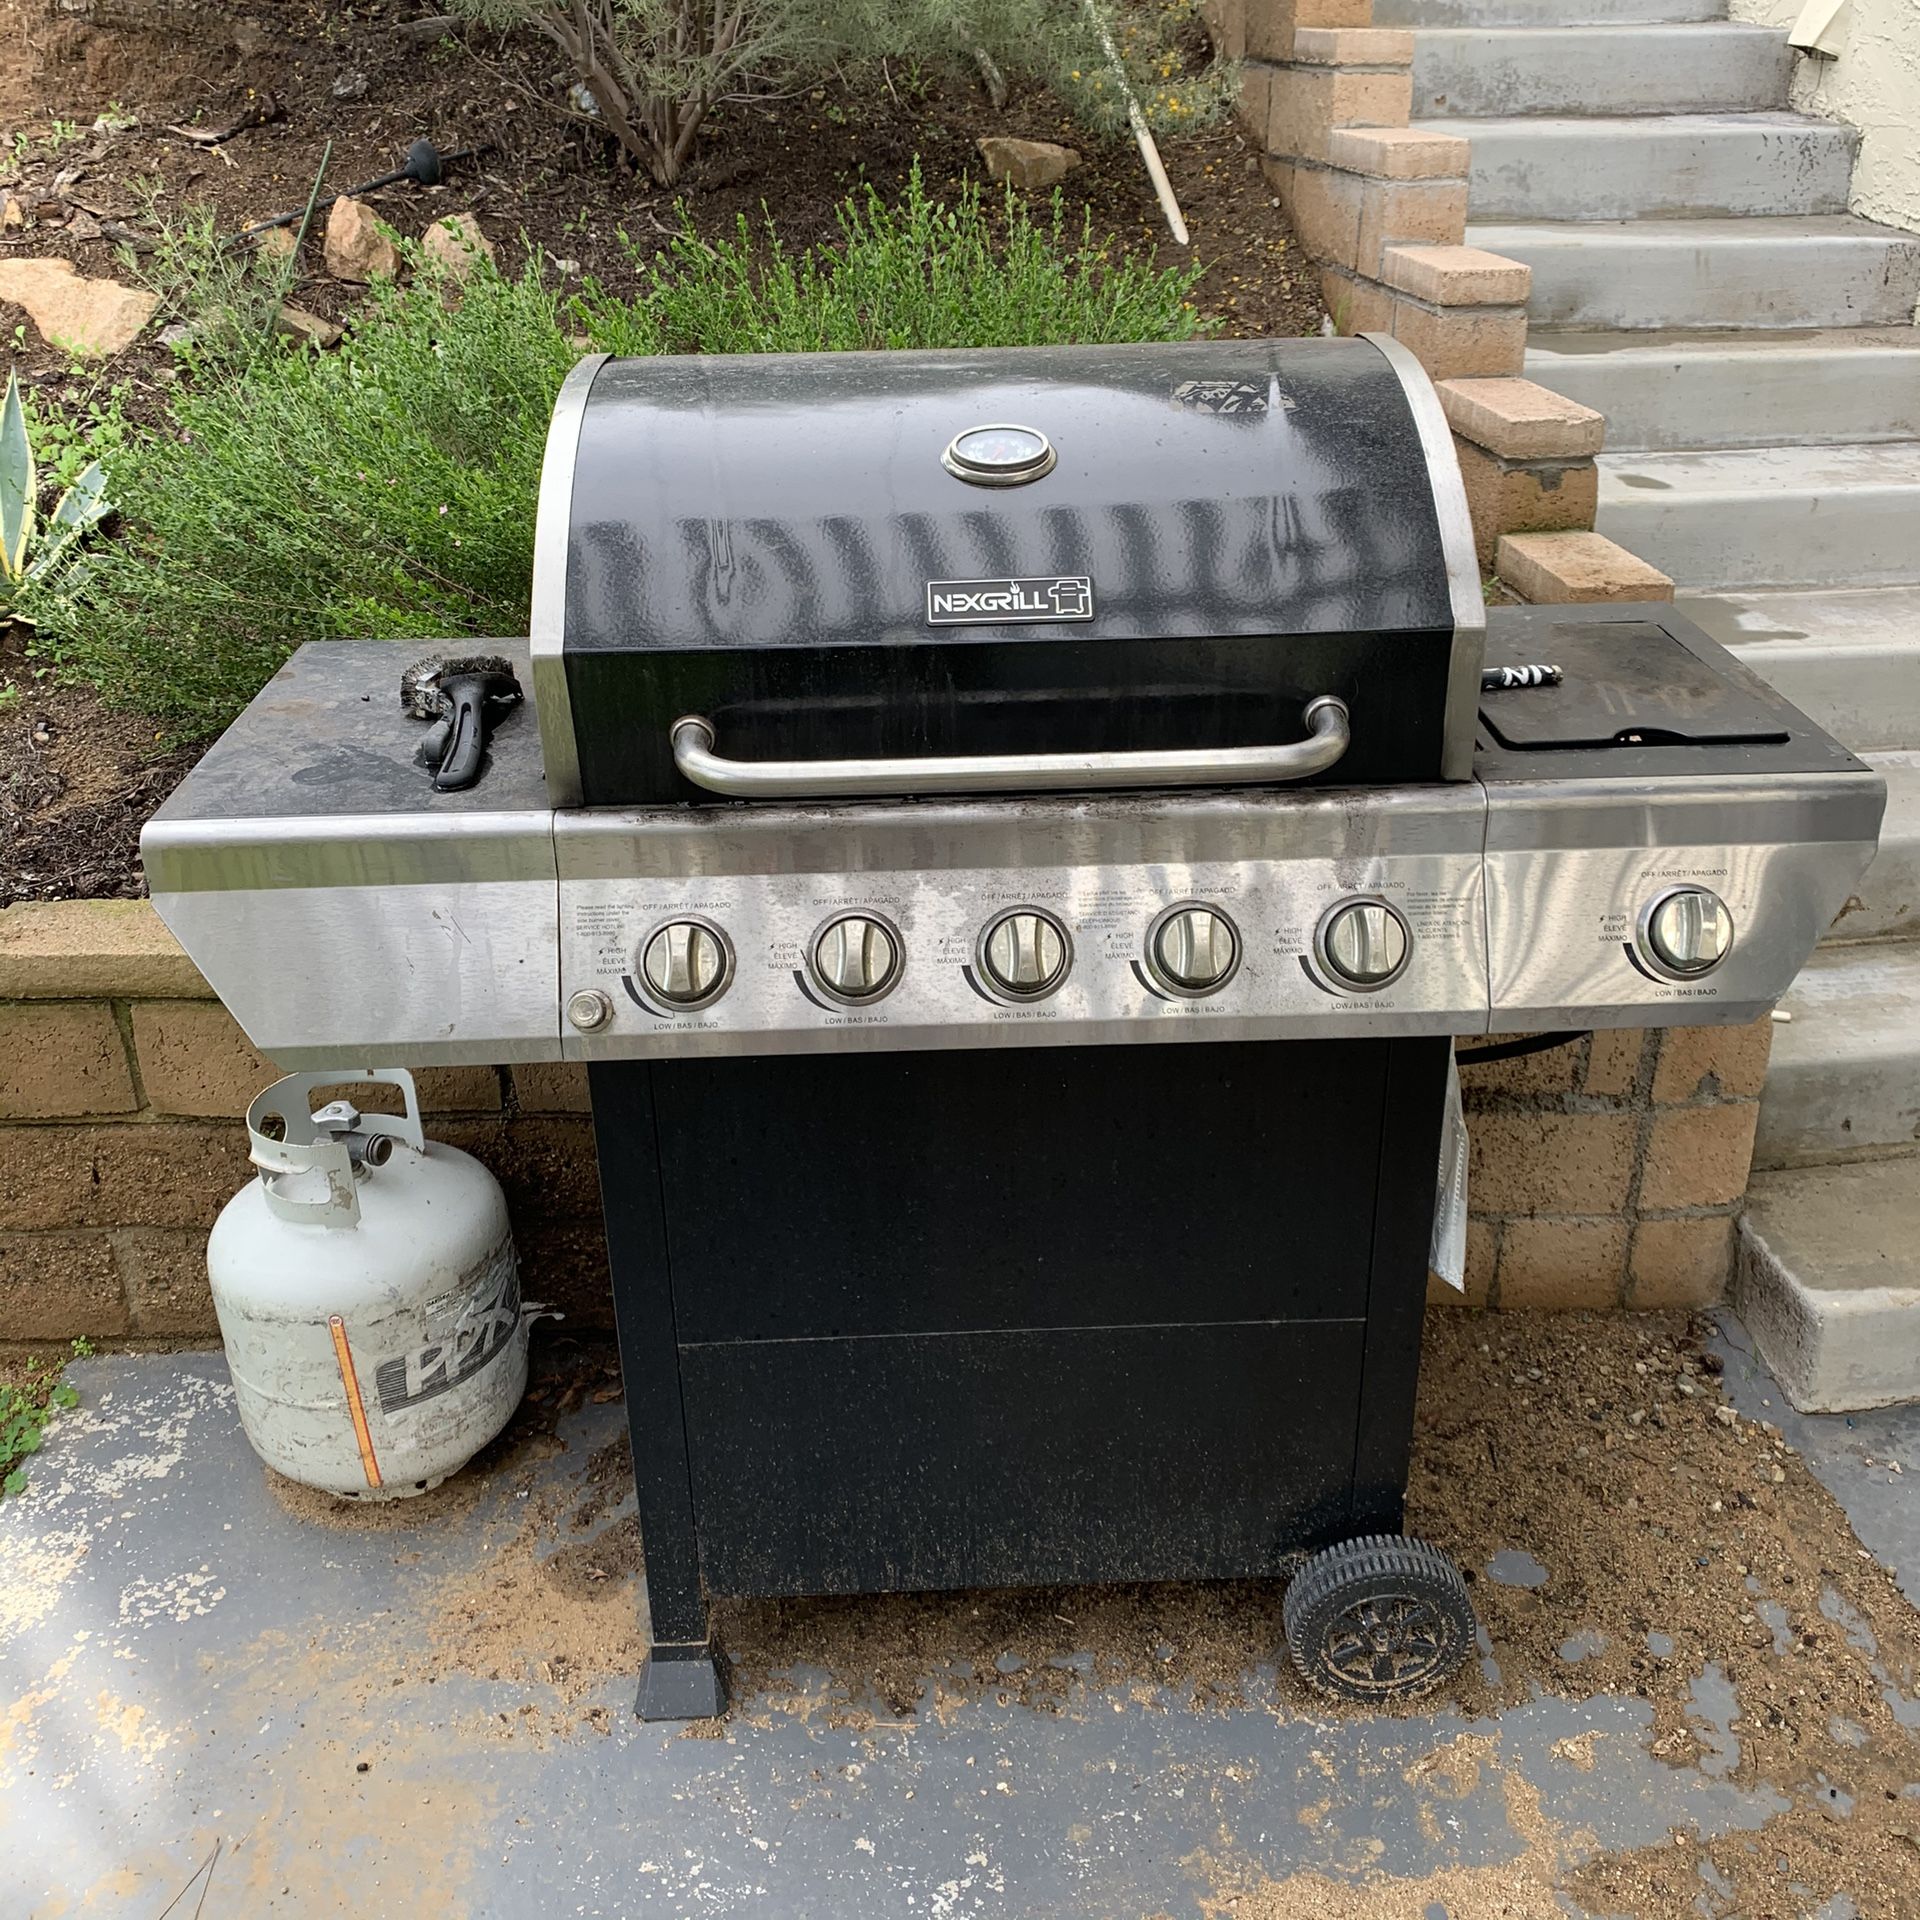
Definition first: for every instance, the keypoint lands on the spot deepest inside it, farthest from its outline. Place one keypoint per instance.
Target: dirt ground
(1673, 1536)
(76, 783)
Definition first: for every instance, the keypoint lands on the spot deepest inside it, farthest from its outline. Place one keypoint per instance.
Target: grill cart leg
(681, 1677)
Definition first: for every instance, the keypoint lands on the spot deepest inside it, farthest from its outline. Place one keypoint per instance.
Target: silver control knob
(1193, 949)
(1689, 932)
(588, 1009)
(1364, 944)
(856, 957)
(686, 964)
(1024, 953)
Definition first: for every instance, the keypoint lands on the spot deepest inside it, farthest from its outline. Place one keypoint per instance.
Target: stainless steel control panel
(1022, 923)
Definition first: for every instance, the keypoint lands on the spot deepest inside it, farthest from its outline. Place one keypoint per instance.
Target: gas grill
(1013, 836)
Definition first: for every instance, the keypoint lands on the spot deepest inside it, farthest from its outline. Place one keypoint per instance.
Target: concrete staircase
(1698, 279)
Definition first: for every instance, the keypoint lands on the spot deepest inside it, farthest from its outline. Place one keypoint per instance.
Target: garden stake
(1142, 133)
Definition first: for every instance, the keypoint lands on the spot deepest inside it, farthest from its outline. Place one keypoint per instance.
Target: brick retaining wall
(1604, 1173)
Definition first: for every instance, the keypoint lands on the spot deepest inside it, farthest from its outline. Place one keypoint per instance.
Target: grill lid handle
(693, 753)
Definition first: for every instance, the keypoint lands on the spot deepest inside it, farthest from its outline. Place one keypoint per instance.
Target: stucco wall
(1873, 85)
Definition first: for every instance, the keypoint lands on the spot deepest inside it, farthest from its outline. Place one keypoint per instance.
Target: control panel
(1038, 923)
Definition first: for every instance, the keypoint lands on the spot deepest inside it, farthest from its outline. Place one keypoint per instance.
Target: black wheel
(1379, 1618)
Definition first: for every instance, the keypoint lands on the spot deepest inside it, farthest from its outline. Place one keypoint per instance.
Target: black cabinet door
(869, 1194)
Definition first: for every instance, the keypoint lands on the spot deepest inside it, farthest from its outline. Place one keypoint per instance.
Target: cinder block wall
(1605, 1173)
(121, 1085)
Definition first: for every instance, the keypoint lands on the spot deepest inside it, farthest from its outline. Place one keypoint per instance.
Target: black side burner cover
(1627, 684)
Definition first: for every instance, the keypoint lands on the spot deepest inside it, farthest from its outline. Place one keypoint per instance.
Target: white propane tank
(368, 1295)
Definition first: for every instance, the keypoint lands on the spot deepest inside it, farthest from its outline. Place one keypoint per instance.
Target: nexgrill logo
(984, 603)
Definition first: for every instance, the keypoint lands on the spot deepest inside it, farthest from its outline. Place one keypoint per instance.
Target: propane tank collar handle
(286, 1138)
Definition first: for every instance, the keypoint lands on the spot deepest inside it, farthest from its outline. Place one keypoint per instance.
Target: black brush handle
(467, 743)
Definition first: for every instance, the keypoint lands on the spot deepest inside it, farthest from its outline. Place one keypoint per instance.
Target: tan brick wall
(122, 1083)
(1609, 1172)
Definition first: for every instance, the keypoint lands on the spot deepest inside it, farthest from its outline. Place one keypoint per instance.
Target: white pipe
(1142, 133)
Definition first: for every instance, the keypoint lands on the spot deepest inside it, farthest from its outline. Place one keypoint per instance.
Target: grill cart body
(1013, 837)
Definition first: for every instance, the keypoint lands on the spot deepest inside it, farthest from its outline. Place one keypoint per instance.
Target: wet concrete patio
(211, 1706)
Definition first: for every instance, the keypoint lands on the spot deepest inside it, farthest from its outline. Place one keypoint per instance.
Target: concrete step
(1819, 270)
(1845, 1075)
(1704, 164)
(1542, 13)
(1664, 388)
(1828, 1283)
(1715, 66)
(1769, 516)
(1847, 658)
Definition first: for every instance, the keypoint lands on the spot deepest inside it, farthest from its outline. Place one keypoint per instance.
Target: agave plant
(29, 550)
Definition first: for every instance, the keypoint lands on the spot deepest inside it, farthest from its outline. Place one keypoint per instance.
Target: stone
(93, 949)
(1613, 1060)
(73, 312)
(163, 1274)
(54, 1286)
(1451, 341)
(1680, 1263)
(1562, 1265)
(1352, 46)
(1551, 1162)
(277, 243)
(12, 213)
(1698, 1157)
(1562, 569)
(1030, 165)
(457, 245)
(1721, 1061)
(1523, 495)
(296, 323)
(1398, 153)
(60, 1059)
(1424, 212)
(159, 1174)
(1520, 420)
(1447, 275)
(1552, 1070)
(356, 249)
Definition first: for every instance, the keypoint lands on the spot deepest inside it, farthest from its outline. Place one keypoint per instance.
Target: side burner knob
(1688, 932)
(1364, 944)
(855, 958)
(1192, 949)
(686, 963)
(1024, 953)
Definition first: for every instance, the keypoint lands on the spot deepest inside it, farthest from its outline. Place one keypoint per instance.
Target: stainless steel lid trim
(552, 540)
(1464, 591)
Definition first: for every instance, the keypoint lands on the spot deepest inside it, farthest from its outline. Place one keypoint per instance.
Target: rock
(298, 324)
(356, 248)
(456, 244)
(12, 213)
(349, 85)
(89, 316)
(277, 243)
(1030, 165)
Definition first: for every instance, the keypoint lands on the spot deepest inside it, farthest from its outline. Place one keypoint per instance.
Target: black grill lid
(1045, 549)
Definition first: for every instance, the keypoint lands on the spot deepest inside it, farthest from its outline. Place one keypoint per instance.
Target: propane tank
(368, 1295)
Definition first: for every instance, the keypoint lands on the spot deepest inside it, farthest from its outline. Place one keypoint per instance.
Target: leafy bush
(33, 552)
(387, 490)
(649, 72)
(26, 1410)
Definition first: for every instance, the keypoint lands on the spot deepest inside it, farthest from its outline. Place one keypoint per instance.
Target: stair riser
(1868, 698)
(1837, 1351)
(1853, 537)
(1542, 13)
(1564, 170)
(1567, 70)
(1886, 904)
(1829, 1110)
(1740, 399)
(1619, 282)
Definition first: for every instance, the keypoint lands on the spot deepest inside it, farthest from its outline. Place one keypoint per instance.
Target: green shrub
(387, 490)
(917, 273)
